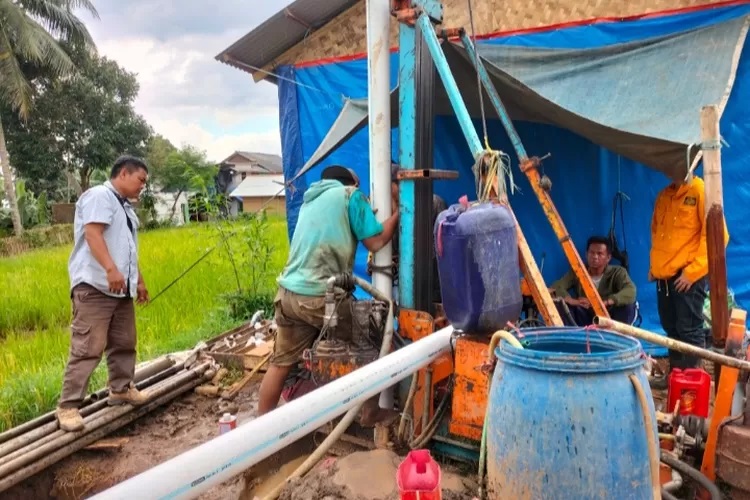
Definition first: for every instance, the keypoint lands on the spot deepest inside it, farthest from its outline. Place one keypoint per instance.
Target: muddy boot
(130, 397)
(70, 419)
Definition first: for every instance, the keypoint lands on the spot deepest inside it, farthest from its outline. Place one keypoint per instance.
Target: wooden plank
(714, 213)
(261, 350)
(529, 167)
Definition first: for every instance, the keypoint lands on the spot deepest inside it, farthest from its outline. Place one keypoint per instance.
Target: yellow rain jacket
(678, 232)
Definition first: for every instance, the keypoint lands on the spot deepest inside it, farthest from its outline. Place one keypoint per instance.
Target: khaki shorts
(299, 319)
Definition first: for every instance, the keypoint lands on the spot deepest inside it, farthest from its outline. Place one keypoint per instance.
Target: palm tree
(30, 33)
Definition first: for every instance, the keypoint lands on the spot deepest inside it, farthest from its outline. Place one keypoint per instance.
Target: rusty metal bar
(451, 33)
(715, 236)
(529, 167)
(427, 174)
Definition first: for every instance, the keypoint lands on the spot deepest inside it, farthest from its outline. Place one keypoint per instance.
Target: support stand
(529, 166)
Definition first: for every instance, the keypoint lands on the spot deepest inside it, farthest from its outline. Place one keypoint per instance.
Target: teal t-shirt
(331, 221)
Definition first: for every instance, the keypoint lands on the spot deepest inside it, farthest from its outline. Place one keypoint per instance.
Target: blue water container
(564, 419)
(477, 254)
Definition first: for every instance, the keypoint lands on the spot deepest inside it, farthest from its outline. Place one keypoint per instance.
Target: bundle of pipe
(154, 368)
(36, 445)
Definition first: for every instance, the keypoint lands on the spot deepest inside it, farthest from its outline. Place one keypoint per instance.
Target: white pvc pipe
(379, 119)
(195, 471)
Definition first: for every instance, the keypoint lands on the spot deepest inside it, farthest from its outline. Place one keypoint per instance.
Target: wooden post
(539, 291)
(715, 242)
(529, 167)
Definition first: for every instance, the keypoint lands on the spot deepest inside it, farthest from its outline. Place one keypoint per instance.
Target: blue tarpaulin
(585, 175)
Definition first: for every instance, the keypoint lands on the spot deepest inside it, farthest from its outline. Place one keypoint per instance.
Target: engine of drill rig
(340, 348)
(683, 435)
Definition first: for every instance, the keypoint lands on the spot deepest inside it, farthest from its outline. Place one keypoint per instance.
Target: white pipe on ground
(379, 119)
(195, 471)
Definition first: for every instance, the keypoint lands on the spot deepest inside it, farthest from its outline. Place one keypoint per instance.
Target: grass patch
(36, 310)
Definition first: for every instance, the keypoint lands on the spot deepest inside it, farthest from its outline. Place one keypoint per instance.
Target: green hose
(496, 337)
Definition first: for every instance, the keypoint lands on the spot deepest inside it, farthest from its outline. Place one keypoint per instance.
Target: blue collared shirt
(103, 205)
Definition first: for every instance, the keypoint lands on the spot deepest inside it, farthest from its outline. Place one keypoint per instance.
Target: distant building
(251, 180)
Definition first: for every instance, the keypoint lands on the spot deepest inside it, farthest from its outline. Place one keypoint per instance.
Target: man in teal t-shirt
(335, 216)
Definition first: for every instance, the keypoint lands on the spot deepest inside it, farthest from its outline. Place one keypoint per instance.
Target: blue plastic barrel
(477, 255)
(564, 419)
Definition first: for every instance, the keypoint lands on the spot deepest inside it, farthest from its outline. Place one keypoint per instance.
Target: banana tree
(30, 35)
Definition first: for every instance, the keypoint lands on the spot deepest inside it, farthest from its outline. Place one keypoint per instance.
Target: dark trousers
(583, 316)
(681, 316)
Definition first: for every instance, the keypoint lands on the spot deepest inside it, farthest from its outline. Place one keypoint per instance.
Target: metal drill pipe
(87, 439)
(139, 376)
(63, 438)
(32, 437)
(676, 345)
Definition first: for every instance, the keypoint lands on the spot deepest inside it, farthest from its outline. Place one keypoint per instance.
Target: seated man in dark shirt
(613, 283)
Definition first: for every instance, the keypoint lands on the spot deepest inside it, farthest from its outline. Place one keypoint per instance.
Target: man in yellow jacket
(679, 264)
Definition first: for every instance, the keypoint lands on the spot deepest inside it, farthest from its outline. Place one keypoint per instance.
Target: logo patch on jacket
(690, 201)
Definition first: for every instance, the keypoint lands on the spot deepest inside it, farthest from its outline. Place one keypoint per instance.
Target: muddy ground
(349, 473)
(192, 420)
(162, 434)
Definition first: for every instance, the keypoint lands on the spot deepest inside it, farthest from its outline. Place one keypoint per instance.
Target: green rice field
(35, 310)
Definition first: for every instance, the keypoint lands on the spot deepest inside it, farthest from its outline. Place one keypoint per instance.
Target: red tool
(692, 388)
(418, 477)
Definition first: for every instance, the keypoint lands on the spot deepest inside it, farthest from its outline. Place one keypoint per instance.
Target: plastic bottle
(418, 477)
(227, 422)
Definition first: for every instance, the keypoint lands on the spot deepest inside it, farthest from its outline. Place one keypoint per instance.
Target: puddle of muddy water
(268, 484)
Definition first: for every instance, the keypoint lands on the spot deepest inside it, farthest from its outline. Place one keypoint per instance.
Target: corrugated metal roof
(269, 162)
(259, 186)
(281, 32)
(262, 163)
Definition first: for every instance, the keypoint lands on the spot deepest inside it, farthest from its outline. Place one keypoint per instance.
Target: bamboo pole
(676, 345)
(41, 430)
(49, 459)
(145, 373)
(20, 458)
(714, 213)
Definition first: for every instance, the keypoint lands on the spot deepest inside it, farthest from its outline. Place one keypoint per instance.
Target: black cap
(345, 176)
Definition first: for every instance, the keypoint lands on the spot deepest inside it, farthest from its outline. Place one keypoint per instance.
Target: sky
(185, 94)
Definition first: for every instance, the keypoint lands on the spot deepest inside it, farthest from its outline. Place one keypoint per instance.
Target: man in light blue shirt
(104, 280)
(333, 219)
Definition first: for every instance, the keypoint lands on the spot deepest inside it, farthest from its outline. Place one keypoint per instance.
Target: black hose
(693, 474)
(665, 495)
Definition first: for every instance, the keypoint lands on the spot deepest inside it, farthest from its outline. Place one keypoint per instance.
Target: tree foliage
(80, 124)
(180, 171)
(158, 150)
(30, 36)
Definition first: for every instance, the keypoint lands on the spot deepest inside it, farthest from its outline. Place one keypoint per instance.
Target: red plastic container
(418, 477)
(692, 387)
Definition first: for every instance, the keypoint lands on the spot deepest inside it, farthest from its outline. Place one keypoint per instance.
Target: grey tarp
(640, 99)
